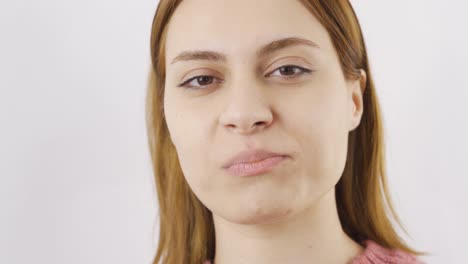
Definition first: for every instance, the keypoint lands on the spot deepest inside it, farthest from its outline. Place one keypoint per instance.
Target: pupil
(287, 69)
(203, 79)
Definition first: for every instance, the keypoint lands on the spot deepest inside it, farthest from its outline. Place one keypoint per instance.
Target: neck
(312, 235)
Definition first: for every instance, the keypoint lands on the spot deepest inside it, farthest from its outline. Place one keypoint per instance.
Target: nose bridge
(244, 87)
(247, 105)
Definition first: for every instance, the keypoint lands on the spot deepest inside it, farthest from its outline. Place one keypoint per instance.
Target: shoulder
(375, 253)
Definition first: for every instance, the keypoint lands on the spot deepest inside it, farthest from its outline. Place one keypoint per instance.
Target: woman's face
(246, 99)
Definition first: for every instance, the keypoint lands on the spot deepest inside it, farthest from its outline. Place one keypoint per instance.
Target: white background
(75, 178)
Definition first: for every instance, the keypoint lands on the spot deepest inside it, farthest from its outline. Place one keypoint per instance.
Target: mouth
(256, 167)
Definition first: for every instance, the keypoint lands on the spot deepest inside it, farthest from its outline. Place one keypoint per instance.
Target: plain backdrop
(75, 177)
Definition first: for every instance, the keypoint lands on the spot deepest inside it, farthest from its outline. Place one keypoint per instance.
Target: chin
(261, 215)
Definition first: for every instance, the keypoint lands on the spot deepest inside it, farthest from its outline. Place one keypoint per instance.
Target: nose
(247, 110)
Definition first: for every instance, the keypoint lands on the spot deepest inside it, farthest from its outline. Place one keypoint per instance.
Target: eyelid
(205, 72)
(289, 60)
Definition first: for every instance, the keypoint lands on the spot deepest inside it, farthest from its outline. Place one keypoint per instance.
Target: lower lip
(255, 168)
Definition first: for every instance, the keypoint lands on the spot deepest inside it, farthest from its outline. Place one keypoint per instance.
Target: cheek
(321, 132)
(190, 136)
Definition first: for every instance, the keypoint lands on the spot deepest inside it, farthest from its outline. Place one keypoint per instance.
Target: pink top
(376, 254)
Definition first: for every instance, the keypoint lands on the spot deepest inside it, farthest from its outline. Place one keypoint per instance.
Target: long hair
(363, 200)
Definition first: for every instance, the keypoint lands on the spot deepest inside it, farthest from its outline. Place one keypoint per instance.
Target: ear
(356, 90)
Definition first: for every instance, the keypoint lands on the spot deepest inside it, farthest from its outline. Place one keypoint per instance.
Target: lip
(253, 162)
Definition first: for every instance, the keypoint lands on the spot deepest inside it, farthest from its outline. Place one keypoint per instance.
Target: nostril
(259, 123)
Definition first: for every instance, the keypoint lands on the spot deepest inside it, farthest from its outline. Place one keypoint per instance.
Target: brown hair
(363, 200)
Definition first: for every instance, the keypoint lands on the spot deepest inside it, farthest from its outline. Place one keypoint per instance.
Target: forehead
(239, 26)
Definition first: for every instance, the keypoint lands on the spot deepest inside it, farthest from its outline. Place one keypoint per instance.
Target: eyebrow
(261, 52)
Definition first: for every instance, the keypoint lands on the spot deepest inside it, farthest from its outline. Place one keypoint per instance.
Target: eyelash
(302, 72)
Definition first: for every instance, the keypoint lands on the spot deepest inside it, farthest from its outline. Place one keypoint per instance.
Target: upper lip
(249, 156)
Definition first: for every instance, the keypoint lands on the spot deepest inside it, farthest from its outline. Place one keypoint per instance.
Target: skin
(288, 215)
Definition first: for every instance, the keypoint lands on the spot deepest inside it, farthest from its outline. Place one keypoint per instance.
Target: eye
(291, 71)
(202, 80)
